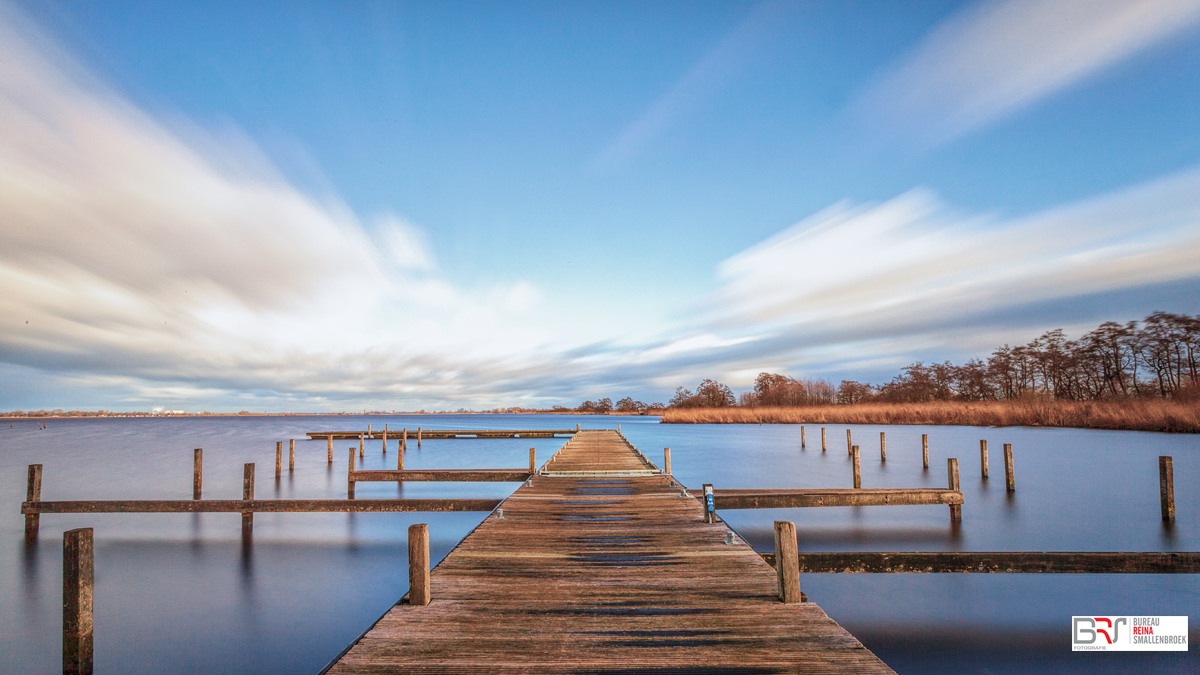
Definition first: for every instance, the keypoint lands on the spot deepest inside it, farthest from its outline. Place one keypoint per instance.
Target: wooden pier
(602, 563)
(427, 434)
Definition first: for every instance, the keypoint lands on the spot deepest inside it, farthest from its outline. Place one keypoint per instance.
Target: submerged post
(802, 435)
(882, 447)
(360, 446)
(403, 440)
(924, 451)
(849, 443)
(247, 495)
(532, 461)
(418, 437)
(1010, 484)
(329, 448)
(667, 461)
(787, 561)
(33, 493)
(822, 439)
(385, 439)
(418, 564)
(857, 468)
(278, 457)
(952, 476)
(983, 458)
(78, 577)
(291, 455)
(1166, 488)
(350, 476)
(197, 472)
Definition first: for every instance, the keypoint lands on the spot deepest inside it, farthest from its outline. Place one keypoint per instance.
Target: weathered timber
(257, 505)
(983, 459)
(1010, 482)
(1001, 562)
(33, 493)
(291, 455)
(952, 478)
(247, 496)
(78, 577)
(278, 457)
(1166, 488)
(449, 475)
(857, 467)
(350, 476)
(882, 447)
(418, 564)
(924, 451)
(532, 461)
(787, 571)
(822, 439)
(801, 435)
(197, 472)
(329, 448)
(805, 498)
(849, 443)
(667, 461)
(601, 574)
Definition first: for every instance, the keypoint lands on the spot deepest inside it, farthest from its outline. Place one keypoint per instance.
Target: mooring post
(1166, 488)
(710, 504)
(802, 435)
(577, 427)
(787, 561)
(924, 451)
(849, 444)
(360, 446)
(291, 455)
(857, 468)
(385, 440)
(418, 564)
(822, 439)
(368, 429)
(33, 493)
(1010, 483)
(197, 472)
(882, 447)
(247, 495)
(952, 475)
(532, 461)
(667, 461)
(78, 577)
(329, 448)
(403, 440)
(418, 437)
(983, 458)
(278, 457)
(350, 476)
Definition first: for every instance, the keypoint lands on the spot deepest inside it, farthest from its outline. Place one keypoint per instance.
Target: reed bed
(1150, 415)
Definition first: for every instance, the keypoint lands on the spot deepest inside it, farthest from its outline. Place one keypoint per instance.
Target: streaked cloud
(995, 58)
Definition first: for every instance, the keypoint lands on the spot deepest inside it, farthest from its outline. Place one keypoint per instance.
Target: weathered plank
(1049, 562)
(257, 505)
(804, 498)
(453, 475)
(602, 572)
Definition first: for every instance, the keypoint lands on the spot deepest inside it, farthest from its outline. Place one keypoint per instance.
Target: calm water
(178, 593)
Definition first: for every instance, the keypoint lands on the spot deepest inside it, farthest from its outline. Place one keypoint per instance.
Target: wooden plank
(78, 578)
(1004, 562)
(805, 498)
(596, 573)
(451, 475)
(258, 505)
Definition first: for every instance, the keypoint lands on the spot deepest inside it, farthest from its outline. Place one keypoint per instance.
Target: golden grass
(1148, 415)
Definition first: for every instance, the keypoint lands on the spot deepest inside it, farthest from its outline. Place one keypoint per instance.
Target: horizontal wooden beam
(427, 434)
(790, 499)
(446, 475)
(1004, 562)
(258, 505)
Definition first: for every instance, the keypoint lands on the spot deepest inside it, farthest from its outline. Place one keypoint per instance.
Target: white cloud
(995, 58)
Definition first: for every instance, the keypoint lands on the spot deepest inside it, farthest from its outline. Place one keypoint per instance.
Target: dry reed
(1147, 415)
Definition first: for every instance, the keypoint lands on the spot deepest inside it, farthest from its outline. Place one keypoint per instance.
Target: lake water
(179, 593)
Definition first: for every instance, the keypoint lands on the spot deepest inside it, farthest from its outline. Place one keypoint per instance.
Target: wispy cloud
(997, 57)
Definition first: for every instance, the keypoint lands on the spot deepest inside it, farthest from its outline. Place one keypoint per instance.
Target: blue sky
(388, 205)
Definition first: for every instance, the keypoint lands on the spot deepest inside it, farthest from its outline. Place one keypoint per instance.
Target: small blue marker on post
(710, 505)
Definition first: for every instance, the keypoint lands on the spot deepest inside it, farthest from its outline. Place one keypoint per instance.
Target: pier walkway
(602, 564)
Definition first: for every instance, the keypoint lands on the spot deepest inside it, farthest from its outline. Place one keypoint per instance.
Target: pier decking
(601, 564)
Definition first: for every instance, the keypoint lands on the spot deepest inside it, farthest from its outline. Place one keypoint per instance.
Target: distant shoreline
(146, 415)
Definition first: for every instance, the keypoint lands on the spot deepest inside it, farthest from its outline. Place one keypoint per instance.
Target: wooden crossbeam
(445, 433)
(1004, 562)
(788, 499)
(448, 475)
(257, 505)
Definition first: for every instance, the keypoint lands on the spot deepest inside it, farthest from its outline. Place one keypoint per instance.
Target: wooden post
(882, 447)
(1010, 483)
(577, 427)
(329, 447)
(385, 441)
(247, 495)
(78, 576)
(857, 468)
(350, 476)
(291, 455)
(33, 493)
(667, 461)
(924, 451)
(802, 435)
(418, 437)
(360, 446)
(710, 504)
(983, 458)
(278, 457)
(532, 460)
(849, 444)
(197, 472)
(787, 561)
(822, 439)
(1166, 488)
(418, 564)
(952, 475)
(368, 429)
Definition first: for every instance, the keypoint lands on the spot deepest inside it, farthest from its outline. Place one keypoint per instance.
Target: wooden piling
(418, 437)
(710, 503)
(360, 446)
(882, 447)
(403, 441)
(849, 443)
(952, 476)
(924, 451)
(291, 455)
(1166, 488)
(822, 439)
(802, 435)
(197, 472)
(1010, 483)
(787, 563)
(532, 461)
(418, 564)
(385, 441)
(983, 458)
(857, 468)
(33, 493)
(78, 577)
(350, 476)
(329, 448)
(278, 458)
(667, 461)
(247, 495)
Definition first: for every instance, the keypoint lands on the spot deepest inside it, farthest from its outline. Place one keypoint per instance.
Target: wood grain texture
(608, 572)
